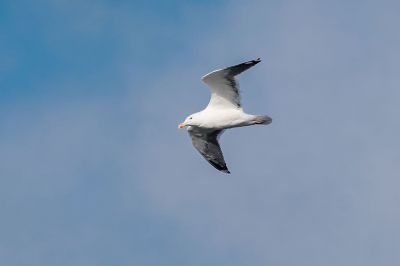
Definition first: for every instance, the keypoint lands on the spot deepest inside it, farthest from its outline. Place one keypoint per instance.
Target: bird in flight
(224, 111)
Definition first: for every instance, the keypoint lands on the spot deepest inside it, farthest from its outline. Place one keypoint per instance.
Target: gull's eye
(190, 117)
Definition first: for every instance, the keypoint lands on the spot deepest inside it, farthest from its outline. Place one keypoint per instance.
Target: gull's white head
(191, 120)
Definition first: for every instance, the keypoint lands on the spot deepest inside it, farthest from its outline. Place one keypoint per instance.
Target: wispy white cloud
(303, 190)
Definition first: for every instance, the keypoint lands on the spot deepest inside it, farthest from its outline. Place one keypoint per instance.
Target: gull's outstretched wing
(224, 87)
(206, 142)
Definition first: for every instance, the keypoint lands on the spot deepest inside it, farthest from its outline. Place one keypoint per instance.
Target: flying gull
(222, 112)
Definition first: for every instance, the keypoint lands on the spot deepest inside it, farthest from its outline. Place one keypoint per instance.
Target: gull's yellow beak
(181, 125)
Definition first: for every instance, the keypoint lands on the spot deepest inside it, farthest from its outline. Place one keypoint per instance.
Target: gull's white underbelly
(222, 119)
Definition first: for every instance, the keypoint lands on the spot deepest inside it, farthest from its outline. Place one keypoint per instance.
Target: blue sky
(95, 172)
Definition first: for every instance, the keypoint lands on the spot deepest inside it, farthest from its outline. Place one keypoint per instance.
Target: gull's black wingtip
(224, 170)
(219, 166)
(253, 62)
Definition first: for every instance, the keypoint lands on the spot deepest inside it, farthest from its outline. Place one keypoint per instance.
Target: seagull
(224, 111)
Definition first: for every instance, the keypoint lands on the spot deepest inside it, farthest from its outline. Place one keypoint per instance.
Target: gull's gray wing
(206, 142)
(224, 87)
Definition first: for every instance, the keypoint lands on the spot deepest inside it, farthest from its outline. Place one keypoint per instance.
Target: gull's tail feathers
(262, 120)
